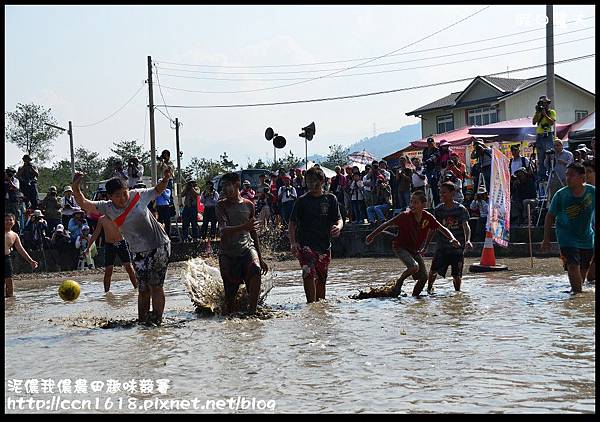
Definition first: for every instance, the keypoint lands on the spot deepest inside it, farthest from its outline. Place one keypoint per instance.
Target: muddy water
(511, 342)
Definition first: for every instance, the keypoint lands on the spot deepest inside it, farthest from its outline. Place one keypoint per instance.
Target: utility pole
(151, 110)
(550, 55)
(70, 132)
(178, 154)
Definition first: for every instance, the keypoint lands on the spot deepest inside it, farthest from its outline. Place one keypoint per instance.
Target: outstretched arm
(371, 236)
(19, 247)
(84, 203)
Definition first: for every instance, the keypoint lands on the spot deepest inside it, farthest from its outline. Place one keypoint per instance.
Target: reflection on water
(510, 342)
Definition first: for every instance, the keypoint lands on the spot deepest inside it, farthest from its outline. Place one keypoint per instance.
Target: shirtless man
(12, 239)
(115, 245)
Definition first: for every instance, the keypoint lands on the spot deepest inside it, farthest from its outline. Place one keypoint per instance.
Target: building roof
(505, 87)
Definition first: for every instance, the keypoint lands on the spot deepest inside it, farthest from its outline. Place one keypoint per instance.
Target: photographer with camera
(557, 159)
(483, 155)
(544, 118)
(135, 171)
(287, 196)
(431, 157)
(403, 182)
(119, 172)
(28, 175)
(34, 233)
(189, 215)
(458, 194)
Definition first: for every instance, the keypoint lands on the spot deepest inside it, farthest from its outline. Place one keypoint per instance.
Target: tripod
(546, 186)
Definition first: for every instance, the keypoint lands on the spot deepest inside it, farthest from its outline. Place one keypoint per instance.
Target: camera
(550, 152)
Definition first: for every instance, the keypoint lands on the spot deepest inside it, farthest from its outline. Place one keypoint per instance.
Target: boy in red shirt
(413, 227)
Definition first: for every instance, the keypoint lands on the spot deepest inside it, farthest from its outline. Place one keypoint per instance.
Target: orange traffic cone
(487, 255)
(488, 259)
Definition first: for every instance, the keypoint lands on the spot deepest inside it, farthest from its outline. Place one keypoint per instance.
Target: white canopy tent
(328, 172)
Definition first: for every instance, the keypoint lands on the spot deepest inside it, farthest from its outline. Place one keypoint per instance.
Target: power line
(119, 109)
(163, 97)
(366, 58)
(371, 60)
(372, 65)
(391, 70)
(379, 92)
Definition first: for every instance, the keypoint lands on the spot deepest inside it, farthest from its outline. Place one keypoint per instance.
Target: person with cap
(572, 209)
(480, 206)
(147, 239)
(34, 232)
(86, 249)
(557, 162)
(209, 199)
(28, 175)
(247, 192)
(68, 205)
(50, 205)
(431, 158)
(419, 180)
(11, 196)
(483, 155)
(162, 162)
(581, 153)
(458, 195)
(544, 119)
(523, 193)
(61, 248)
(287, 197)
(76, 222)
(189, 215)
(382, 201)
(444, 154)
(12, 239)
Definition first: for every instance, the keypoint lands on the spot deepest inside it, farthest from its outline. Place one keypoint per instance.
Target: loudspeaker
(279, 142)
(269, 133)
(308, 132)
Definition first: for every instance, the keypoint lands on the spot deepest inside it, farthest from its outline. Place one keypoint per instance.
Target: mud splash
(205, 289)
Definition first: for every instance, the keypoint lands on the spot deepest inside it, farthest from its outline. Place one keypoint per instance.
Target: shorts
(443, 258)
(8, 268)
(236, 270)
(576, 256)
(111, 250)
(151, 266)
(314, 264)
(410, 261)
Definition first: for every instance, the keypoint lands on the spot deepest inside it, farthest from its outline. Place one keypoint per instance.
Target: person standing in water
(147, 239)
(315, 219)
(114, 245)
(12, 239)
(240, 259)
(413, 225)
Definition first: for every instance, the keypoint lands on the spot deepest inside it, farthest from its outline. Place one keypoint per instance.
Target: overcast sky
(85, 62)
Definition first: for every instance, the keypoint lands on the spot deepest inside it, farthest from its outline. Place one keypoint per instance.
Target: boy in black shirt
(314, 221)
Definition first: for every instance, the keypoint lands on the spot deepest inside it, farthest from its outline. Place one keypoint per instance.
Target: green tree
(259, 164)
(288, 162)
(227, 165)
(203, 169)
(25, 127)
(338, 156)
(59, 175)
(88, 162)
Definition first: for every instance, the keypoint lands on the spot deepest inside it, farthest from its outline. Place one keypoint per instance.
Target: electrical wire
(388, 71)
(379, 92)
(367, 66)
(163, 98)
(112, 114)
(371, 60)
(366, 58)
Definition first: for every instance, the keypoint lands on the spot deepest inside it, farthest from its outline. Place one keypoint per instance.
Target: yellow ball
(69, 290)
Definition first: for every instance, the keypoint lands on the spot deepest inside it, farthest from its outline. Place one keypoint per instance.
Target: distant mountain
(382, 144)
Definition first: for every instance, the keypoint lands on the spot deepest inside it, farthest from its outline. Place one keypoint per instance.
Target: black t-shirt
(314, 217)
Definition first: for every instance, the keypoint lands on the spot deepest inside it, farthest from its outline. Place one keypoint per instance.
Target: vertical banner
(498, 222)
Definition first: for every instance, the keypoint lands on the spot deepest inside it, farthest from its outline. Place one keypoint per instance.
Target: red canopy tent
(455, 137)
(517, 129)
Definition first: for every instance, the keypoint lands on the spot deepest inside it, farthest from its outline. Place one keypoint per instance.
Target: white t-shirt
(140, 228)
(288, 196)
(70, 201)
(516, 164)
(417, 182)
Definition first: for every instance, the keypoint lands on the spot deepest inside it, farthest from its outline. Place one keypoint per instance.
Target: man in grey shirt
(148, 241)
(561, 158)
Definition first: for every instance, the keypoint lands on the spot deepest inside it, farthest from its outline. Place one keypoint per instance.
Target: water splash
(205, 287)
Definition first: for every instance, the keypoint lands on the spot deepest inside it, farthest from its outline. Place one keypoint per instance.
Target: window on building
(483, 116)
(445, 123)
(580, 114)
